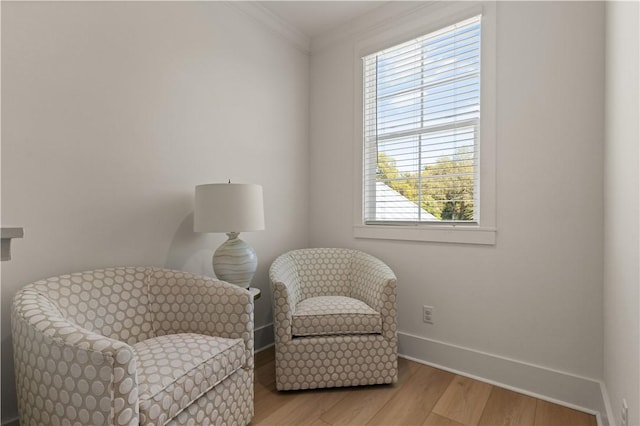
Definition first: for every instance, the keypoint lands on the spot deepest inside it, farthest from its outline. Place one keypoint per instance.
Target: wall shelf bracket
(7, 235)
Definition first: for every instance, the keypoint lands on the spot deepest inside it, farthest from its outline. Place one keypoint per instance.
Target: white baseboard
(607, 404)
(263, 337)
(555, 386)
(264, 348)
(11, 422)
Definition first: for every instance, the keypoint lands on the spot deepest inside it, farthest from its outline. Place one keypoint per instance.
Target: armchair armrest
(181, 302)
(56, 360)
(374, 283)
(285, 290)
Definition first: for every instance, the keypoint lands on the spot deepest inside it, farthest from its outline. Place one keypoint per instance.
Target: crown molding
(274, 23)
(390, 13)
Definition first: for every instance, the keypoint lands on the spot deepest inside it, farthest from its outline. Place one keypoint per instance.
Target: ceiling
(313, 18)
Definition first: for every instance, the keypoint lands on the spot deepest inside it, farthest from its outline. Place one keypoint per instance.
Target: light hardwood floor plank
(412, 403)
(464, 400)
(551, 414)
(363, 402)
(266, 403)
(319, 422)
(437, 420)
(507, 408)
(359, 406)
(266, 399)
(304, 407)
(264, 357)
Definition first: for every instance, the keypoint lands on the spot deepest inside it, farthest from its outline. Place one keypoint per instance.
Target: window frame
(394, 33)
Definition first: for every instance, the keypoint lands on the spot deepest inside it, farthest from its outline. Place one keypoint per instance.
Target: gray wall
(622, 212)
(536, 295)
(113, 112)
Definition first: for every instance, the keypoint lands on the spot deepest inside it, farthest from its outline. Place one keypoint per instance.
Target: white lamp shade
(228, 207)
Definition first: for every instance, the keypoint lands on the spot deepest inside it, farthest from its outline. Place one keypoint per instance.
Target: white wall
(113, 112)
(536, 295)
(622, 184)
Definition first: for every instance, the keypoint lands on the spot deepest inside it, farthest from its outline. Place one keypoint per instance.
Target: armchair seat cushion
(176, 369)
(332, 315)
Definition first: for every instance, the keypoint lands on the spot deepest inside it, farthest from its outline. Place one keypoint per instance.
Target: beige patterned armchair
(129, 346)
(334, 318)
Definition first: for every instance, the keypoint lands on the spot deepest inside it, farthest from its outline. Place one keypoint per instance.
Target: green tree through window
(445, 188)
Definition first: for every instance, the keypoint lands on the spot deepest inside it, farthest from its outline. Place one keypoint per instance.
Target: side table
(255, 292)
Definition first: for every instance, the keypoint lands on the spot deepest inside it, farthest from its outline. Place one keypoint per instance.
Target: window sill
(459, 234)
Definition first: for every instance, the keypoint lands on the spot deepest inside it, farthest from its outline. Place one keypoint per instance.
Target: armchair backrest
(111, 302)
(323, 271)
(182, 302)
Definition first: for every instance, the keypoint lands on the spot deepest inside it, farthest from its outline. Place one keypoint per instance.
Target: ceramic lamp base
(235, 261)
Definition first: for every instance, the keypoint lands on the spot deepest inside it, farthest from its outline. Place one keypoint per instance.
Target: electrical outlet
(625, 413)
(427, 314)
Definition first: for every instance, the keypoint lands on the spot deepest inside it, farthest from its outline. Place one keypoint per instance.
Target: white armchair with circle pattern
(335, 320)
(129, 346)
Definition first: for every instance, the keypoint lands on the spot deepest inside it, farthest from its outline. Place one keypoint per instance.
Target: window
(425, 139)
(421, 116)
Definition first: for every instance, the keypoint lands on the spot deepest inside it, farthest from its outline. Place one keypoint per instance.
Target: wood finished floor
(423, 396)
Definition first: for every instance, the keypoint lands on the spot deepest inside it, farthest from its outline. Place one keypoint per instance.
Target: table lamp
(231, 208)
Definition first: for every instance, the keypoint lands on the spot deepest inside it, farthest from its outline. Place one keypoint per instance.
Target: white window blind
(421, 128)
